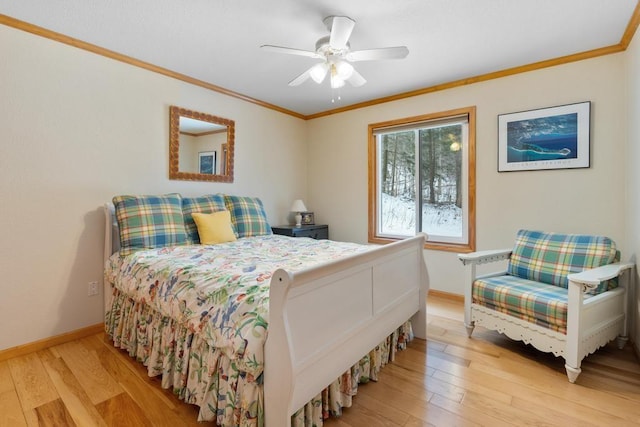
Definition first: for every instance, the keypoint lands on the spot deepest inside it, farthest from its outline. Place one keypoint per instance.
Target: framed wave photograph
(547, 138)
(207, 162)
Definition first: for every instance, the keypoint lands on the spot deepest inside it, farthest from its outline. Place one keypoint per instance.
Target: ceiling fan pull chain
(333, 95)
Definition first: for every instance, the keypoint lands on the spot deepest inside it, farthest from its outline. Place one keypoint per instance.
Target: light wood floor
(448, 381)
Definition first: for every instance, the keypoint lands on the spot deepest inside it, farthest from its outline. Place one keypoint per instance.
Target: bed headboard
(111, 231)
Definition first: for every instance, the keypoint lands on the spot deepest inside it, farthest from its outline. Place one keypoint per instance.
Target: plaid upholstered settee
(560, 293)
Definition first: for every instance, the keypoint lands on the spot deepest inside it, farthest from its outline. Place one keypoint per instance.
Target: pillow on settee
(248, 216)
(214, 228)
(550, 257)
(148, 222)
(204, 204)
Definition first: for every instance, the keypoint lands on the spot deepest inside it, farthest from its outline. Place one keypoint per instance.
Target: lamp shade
(319, 71)
(298, 206)
(344, 70)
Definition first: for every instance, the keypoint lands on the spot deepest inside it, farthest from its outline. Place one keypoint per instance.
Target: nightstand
(313, 231)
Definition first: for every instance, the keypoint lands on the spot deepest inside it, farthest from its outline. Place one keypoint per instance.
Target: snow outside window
(422, 180)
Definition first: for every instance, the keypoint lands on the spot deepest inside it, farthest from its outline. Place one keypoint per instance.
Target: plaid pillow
(148, 222)
(550, 257)
(248, 216)
(205, 204)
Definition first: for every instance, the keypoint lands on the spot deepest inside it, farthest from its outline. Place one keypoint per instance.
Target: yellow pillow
(214, 227)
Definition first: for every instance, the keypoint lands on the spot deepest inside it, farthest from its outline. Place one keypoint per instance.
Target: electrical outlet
(93, 288)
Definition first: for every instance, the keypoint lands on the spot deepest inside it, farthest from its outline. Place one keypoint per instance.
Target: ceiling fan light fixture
(318, 72)
(344, 70)
(336, 82)
(335, 52)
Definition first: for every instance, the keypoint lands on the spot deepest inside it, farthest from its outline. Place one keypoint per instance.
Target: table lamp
(298, 207)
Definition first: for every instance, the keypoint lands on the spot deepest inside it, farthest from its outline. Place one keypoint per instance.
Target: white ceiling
(218, 41)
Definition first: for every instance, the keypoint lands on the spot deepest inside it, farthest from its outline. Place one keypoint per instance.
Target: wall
(579, 200)
(77, 129)
(188, 154)
(633, 174)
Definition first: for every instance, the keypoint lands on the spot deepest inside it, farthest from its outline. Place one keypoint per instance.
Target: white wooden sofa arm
(589, 320)
(470, 260)
(484, 257)
(594, 276)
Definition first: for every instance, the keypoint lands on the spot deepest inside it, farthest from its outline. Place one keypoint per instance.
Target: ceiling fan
(334, 50)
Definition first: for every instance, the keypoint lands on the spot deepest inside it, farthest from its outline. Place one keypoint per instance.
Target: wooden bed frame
(367, 296)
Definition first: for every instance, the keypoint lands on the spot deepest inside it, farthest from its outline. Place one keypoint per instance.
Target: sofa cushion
(550, 257)
(534, 302)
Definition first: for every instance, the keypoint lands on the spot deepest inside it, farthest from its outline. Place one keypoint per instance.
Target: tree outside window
(422, 177)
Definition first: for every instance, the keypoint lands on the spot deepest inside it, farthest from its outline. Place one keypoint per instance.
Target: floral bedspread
(220, 292)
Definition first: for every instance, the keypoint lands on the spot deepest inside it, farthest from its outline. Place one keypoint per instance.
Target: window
(422, 179)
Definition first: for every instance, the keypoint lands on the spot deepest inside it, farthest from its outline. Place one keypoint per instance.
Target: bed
(333, 319)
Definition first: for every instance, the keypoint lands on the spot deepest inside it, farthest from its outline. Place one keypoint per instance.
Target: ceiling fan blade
(290, 51)
(356, 79)
(398, 52)
(301, 78)
(341, 28)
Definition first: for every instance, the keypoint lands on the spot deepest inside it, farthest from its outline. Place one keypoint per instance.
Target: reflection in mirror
(201, 146)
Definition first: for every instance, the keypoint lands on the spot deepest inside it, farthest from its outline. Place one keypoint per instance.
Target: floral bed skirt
(203, 375)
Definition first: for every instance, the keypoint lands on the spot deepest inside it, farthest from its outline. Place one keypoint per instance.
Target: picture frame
(307, 218)
(207, 162)
(547, 138)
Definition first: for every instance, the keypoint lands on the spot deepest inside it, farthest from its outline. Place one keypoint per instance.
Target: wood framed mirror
(201, 146)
